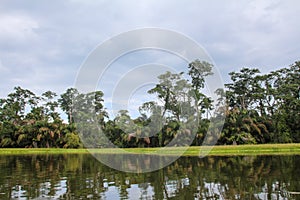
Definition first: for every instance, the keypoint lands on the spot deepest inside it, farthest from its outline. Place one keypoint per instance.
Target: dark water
(83, 177)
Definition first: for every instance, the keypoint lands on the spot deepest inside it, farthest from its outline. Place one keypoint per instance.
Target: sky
(43, 45)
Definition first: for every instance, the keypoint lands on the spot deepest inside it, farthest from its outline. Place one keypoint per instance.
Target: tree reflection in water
(83, 177)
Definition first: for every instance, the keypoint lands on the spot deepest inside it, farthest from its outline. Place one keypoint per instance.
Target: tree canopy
(259, 108)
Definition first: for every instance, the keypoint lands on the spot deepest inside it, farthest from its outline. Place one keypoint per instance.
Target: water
(83, 177)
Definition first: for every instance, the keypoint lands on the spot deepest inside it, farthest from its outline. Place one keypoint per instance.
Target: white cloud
(2, 68)
(17, 28)
(43, 45)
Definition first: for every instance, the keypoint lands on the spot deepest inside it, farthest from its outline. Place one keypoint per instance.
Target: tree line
(258, 108)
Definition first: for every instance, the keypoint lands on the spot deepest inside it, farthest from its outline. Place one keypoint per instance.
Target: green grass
(229, 150)
(24, 151)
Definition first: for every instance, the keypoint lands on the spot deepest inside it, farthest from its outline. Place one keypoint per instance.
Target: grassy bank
(265, 149)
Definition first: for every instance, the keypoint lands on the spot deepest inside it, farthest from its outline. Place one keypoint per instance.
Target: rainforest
(257, 108)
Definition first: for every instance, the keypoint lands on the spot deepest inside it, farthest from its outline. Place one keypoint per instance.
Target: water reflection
(135, 163)
(83, 177)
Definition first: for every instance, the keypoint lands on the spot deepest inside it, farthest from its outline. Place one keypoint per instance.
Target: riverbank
(229, 150)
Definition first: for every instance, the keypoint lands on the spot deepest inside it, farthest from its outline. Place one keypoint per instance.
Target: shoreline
(222, 150)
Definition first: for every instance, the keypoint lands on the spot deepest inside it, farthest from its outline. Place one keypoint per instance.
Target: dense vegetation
(259, 108)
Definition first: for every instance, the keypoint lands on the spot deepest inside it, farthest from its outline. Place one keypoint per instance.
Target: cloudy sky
(43, 45)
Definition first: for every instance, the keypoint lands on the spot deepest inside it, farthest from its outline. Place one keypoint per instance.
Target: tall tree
(175, 94)
(66, 102)
(88, 112)
(198, 71)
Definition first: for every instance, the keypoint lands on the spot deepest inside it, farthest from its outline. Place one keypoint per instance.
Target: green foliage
(259, 108)
(31, 121)
(265, 107)
(66, 102)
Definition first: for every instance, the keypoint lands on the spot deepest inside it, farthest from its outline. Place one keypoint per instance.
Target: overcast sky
(42, 45)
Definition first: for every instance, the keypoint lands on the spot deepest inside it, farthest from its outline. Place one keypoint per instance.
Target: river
(81, 176)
